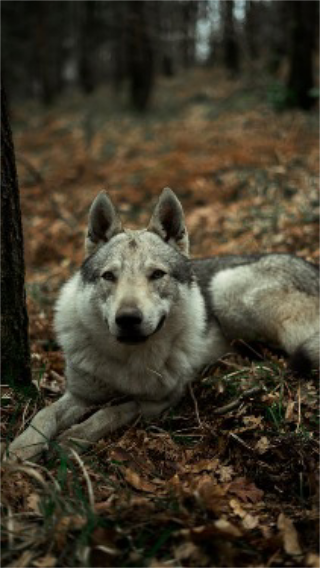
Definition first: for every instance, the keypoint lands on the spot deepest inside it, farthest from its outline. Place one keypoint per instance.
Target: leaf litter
(230, 476)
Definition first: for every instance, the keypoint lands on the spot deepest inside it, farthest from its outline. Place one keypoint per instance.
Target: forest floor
(194, 487)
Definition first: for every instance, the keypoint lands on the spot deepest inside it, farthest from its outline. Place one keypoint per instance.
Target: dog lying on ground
(141, 319)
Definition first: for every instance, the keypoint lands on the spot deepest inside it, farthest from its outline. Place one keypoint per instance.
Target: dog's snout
(128, 317)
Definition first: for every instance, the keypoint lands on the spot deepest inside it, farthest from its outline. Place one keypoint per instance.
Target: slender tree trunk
(188, 21)
(300, 81)
(252, 28)
(140, 55)
(278, 48)
(15, 353)
(119, 53)
(87, 51)
(231, 50)
(48, 50)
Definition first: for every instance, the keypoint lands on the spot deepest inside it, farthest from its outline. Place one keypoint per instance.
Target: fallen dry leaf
(250, 522)
(188, 551)
(64, 525)
(24, 560)
(202, 465)
(237, 508)
(138, 482)
(262, 445)
(227, 528)
(33, 501)
(211, 495)
(245, 490)
(312, 560)
(47, 561)
(289, 416)
(225, 473)
(290, 536)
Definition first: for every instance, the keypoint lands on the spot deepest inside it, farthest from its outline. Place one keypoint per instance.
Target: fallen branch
(236, 403)
(196, 407)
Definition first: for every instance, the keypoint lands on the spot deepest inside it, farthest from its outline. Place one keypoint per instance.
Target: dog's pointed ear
(104, 222)
(168, 221)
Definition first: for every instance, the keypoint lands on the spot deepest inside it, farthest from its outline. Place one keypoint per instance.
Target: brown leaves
(47, 561)
(248, 182)
(137, 482)
(245, 490)
(289, 535)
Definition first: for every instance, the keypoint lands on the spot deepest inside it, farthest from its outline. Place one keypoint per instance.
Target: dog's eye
(157, 274)
(109, 276)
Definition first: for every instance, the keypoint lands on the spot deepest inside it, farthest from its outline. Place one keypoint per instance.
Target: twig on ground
(196, 408)
(299, 408)
(233, 365)
(236, 403)
(238, 439)
(250, 348)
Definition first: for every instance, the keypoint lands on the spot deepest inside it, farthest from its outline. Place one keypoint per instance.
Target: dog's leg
(152, 408)
(45, 426)
(299, 332)
(111, 418)
(101, 423)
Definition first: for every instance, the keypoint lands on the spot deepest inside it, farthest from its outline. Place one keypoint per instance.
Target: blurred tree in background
(302, 26)
(231, 49)
(52, 46)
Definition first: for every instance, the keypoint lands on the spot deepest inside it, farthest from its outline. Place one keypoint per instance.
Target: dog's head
(136, 276)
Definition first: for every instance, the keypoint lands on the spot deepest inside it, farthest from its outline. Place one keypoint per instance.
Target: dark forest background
(52, 47)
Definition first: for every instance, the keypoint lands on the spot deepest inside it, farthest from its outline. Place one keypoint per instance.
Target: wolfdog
(141, 319)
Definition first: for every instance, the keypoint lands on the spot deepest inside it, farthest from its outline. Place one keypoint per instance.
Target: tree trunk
(118, 45)
(188, 26)
(15, 353)
(252, 28)
(48, 50)
(231, 51)
(279, 15)
(300, 81)
(140, 55)
(87, 51)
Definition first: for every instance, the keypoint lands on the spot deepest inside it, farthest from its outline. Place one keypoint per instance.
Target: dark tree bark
(163, 29)
(118, 45)
(252, 28)
(87, 46)
(15, 352)
(300, 81)
(140, 54)
(188, 24)
(278, 25)
(48, 49)
(231, 50)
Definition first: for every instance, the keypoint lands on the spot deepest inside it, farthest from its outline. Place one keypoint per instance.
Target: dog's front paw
(25, 449)
(20, 452)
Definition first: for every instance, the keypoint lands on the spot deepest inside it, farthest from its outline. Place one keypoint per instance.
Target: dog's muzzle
(129, 321)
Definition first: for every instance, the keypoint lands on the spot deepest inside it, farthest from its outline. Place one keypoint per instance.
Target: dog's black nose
(128, 318)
